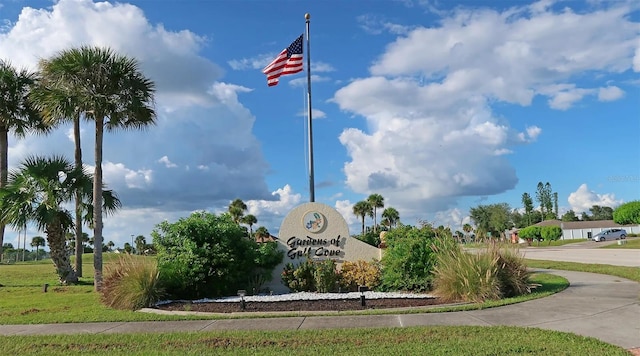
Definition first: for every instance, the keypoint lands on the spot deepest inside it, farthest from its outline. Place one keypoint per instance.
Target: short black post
(45, 287)
(362, 289)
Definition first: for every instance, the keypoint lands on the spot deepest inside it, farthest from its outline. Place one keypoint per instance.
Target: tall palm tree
(250, 220)
(237, 209)
(362, 209)
(16, 114)
(57, 103)
(36, 242)
(376, 201)
(392, 215)
(37, 192)
(110, 90)
(467, 228)
(140, 242)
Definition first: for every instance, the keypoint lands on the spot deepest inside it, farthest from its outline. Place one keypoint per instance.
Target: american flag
(289, 61)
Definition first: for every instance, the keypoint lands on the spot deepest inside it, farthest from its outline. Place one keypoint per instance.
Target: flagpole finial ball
(307, 16)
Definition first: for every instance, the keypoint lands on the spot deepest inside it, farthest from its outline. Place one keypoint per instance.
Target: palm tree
(16, 114)
(110, 245)
(237, 209)
(376, 201)
(36, 242)
(109, 89)
(391, 215)
(362, 209)
(467, 228)
(140, 242)
(250, 220)
(37, 192)
(57, 103)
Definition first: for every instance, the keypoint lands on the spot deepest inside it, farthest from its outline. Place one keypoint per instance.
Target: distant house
(586, 229)
(262, 239)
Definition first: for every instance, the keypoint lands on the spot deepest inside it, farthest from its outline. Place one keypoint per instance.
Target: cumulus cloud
(201, 121)
(167, 163)
(610, 93)
(432, 135)
(583, 199)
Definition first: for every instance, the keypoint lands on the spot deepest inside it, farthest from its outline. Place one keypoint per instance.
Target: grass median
(438, 340)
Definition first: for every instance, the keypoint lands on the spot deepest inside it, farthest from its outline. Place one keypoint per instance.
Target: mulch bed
(300, 305)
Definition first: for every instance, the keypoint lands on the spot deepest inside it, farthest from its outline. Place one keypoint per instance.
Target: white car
(610, 234)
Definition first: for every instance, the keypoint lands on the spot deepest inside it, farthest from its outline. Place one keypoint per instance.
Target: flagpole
(312, 197)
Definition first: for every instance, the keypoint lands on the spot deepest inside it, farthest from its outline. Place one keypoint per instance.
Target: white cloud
(201, 121)
(257, 62)
(432, 135)
(375, 25)
(636, 60)
(583, 199)
(610, 93)
(315, 114)
(167, 163)
(322, 67)
(515, 52)
(533, 132)
(271, 212)
(565, 99)
(302, 81)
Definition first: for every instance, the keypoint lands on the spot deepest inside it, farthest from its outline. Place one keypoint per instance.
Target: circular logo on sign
(313, 221)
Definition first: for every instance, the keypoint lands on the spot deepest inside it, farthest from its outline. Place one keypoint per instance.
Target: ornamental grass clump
(131, 283)
(476, 277)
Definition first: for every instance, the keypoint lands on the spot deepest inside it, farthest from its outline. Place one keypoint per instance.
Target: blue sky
(438, 106)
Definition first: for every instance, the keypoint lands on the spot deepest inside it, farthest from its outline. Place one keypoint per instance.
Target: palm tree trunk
(4, 170)
(375, 215)
(55, 238)
(78, 227)
(362, 225)
(97, 204)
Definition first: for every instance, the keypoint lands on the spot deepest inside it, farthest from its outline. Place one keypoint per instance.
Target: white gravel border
(309, 296)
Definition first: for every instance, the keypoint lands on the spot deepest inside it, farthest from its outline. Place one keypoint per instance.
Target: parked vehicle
(610, 234)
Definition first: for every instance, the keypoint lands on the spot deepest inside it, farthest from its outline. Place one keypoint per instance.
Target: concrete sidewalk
(600, 306)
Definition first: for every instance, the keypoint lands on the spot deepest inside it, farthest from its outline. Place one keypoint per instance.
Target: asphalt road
(585, 252)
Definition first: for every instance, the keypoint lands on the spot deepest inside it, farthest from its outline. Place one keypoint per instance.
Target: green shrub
(408, 261)
(300, 278)
(551, 233)
(360, 273)
(370, 237)
(475, 277)
(206, 255)
(326, 276)
(530, 233)
(627, 213)
(131, 283)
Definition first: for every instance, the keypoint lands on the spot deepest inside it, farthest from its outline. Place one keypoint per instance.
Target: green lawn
(22, 300)
(632, 273)
(439, 340)
(631, 243)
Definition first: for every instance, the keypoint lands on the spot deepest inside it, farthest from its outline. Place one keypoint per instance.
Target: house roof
(575, 225)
